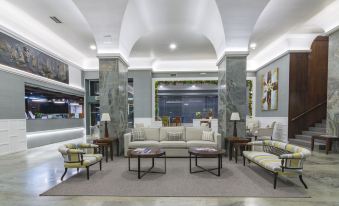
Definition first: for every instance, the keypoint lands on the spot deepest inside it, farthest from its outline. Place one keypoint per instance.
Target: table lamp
(105, 118)
(235, 117)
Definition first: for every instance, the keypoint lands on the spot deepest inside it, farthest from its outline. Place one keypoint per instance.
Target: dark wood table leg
(111, 150)
(106, 151)
(236, 153)
(219, 163)
(139, 176)
(225, 142)
(312, 143)
(190, 162)
(230, 152)
(118, 149)
(328, 145)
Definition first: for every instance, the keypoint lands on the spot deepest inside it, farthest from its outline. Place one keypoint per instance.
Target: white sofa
(157, 137)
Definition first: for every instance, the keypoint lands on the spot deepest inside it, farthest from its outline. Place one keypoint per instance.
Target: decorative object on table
(75, 157)
(165, 121)
(235, 117)
(18, 55)
(198, 115)
(269, 99)
(105, 118)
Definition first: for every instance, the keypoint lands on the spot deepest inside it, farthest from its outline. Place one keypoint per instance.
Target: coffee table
(146, 153)
(197, 152)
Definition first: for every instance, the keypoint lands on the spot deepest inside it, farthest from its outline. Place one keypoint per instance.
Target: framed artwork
(269, 83)
(18, 55)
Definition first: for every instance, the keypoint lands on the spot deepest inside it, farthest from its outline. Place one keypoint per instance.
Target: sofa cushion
(146, 143)
(152, 133)
(266, 160)
(164, 130)
(175, 136)
(138, 134)
(201, 143)
(173, 144)
(193, 133)
(207, 136)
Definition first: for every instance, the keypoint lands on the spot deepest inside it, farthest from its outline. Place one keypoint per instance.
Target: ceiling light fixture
(172, 46)
(93, 47)
(203, 73)
(253, 45)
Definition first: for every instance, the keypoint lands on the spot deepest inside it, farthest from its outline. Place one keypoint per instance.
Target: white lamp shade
(235, 116)
(105, 117)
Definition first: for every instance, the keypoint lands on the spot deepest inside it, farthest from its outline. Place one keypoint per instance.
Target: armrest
(127, 140)
(297, 155)
(84, 146)
(75, 151)
(217, 139)
(255, 143)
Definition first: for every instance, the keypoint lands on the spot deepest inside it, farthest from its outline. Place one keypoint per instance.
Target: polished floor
(25, 175)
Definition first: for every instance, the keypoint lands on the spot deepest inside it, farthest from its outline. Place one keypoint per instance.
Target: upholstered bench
(278, 157)
(76, 157)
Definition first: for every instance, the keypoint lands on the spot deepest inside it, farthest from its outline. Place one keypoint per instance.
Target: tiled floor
(23, 176)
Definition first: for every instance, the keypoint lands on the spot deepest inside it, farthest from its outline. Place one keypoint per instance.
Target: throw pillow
(174, 136)
(207, 136)
(138, 134)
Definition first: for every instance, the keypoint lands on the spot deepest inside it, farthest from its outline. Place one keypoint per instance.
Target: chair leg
(87, 168)
(62, 177)
(275, 180)
(100, 165)
(302, 181)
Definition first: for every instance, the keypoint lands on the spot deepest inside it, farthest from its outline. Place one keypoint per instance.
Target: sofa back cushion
(152, 133)
(194, 133)
(164, 130)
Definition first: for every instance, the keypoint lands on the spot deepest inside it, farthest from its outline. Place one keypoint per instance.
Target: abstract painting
(19, 55)
(269, 99)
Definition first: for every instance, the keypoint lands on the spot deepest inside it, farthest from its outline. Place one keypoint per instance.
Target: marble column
(232, 94)
(333, 86)
(113, 95)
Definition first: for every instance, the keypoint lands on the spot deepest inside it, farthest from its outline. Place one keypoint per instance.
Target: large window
(186, 99)
(45, 104)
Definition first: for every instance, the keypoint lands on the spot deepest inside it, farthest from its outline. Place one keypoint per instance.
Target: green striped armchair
(79, 156)
(278, 158)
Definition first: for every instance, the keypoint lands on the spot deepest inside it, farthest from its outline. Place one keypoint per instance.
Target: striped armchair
(79, 156)
(278, 157)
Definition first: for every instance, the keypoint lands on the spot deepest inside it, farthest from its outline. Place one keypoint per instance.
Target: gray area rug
(235, 181)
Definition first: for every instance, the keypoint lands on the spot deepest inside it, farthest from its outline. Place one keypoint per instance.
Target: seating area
(160, 138)
(169, 102)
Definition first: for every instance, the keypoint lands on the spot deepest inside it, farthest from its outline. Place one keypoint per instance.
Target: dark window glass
(94, 88)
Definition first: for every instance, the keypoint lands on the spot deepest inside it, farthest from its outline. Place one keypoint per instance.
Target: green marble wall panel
(113, 94)
(333, 86)
(232, 94)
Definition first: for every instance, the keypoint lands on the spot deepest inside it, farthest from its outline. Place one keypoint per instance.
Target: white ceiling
(141, 30)
(74, 28)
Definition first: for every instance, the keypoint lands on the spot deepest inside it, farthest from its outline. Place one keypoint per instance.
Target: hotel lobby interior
(169, 102)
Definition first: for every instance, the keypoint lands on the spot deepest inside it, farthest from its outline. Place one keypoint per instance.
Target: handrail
(309, 110)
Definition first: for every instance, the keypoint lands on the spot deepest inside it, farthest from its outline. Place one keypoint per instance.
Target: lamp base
(235, 129)
(106, 130)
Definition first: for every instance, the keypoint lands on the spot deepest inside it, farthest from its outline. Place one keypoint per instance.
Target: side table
(229, 142)
(240, 146)
(106, 144)
(328, 138)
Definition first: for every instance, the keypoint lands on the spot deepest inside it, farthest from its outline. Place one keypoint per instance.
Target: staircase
(305, 138)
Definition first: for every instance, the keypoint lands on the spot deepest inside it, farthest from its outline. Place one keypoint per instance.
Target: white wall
(12, 136)
(75, 77)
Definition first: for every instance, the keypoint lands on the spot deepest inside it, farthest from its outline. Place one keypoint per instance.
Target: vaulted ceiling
(142, 30)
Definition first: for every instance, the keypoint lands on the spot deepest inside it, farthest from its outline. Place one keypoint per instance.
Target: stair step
(306, 144)
(307, 138)
(322, 125)
(317, 129)
(311, 133)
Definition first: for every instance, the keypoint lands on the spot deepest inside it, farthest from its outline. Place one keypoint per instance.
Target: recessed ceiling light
(253, 45)
(172, 46)
(93, 47)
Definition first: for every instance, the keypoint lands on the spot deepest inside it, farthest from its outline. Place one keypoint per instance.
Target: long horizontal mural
(16, 54)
